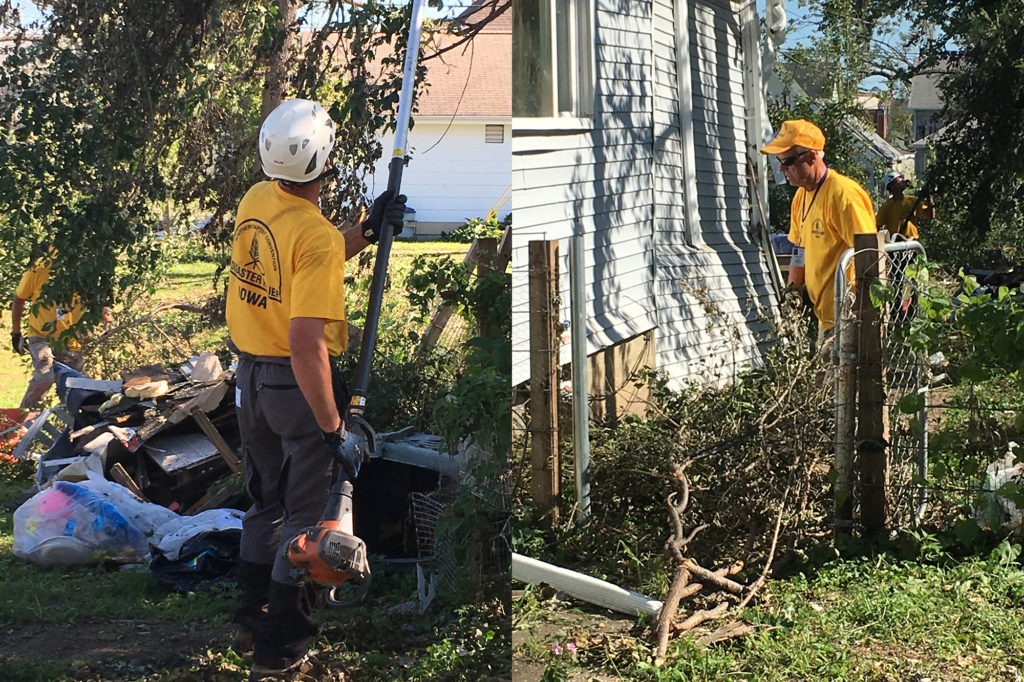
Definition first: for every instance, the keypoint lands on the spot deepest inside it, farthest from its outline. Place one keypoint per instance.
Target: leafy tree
(118, 114)
(977, 169)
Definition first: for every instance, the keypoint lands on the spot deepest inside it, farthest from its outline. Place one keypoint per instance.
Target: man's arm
(354, 240)
(312, 368)
(926, 209)
(17, 309)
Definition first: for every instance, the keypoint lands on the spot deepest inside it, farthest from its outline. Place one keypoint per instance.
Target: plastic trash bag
(69, 523)
(994, 510)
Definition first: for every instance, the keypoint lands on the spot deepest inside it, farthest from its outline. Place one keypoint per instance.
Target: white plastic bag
(86, 522)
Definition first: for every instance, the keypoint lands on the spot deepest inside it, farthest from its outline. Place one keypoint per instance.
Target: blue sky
(30, 13)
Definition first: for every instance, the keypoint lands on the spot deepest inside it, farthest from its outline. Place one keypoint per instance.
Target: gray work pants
(43, 358)
(288, 466)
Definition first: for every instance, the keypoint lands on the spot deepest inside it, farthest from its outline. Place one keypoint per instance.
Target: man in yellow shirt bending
(827, 210)
(49, 338)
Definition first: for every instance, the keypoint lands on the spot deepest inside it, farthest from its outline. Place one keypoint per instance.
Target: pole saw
(329, 553)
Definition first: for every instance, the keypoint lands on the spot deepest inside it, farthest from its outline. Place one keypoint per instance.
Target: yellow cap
(796, 133)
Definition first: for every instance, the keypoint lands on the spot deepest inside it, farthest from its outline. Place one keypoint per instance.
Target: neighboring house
(925, 104)
(874, 151)
(460, 145)
(636, 124)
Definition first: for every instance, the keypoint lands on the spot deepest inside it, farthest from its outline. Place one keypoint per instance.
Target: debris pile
(147, 469)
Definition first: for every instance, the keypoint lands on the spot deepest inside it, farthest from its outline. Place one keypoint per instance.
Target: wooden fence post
(543, 285)
(869, 261)
(487, 261)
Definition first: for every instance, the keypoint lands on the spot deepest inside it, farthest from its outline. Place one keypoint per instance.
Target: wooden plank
(212, 499)
(543, 282)
(120, 475)
(231, 458)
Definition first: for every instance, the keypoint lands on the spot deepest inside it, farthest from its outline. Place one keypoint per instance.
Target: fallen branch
(147, 318)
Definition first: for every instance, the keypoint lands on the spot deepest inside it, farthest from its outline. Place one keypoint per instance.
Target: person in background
(897, 213)
(48, 338)
(827, 210)
(286, 316)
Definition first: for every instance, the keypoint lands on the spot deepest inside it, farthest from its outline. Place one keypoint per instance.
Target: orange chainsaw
(329, 553)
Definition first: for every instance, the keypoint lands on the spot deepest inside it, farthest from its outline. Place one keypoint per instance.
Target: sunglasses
(790, 160)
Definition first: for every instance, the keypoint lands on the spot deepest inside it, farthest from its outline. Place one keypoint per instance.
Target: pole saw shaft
(395, 168)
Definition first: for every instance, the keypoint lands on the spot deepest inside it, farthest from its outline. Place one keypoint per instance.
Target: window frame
(579, 34)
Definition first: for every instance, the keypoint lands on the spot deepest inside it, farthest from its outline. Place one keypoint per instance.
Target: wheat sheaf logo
(259, 278)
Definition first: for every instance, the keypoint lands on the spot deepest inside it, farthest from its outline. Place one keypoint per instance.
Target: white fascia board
(465, 120)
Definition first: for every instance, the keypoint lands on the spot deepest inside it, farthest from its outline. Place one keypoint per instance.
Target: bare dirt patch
(562, 622)
(122, 649)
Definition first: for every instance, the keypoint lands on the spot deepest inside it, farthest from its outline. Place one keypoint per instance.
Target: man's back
(287, 261)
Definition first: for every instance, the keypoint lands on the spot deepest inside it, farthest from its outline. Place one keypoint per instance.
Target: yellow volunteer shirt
(892, 213)
(823, 222)
(287, 261)
(62, 317)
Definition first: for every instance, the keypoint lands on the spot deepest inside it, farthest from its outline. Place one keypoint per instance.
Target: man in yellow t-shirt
(897, 213)
(48, 339)
(827, 210)
(286, 315)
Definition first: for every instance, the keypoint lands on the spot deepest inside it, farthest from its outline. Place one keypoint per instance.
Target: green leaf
(909, 404)
(880, 293)
(967, 531)
(973, 370)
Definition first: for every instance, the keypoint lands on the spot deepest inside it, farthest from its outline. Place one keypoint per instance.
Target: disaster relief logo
(818, 228)
(259, 278)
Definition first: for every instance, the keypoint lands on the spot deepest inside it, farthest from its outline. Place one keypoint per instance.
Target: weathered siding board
(623, 179)
(598, 176)
(724, 271)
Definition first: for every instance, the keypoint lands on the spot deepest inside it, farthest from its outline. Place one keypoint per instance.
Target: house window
(494, 133)
(553, 58)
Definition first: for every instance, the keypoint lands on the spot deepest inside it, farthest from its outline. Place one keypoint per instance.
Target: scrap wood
(230, 457)
(213, 499)
(688, 567)
(698, 617)
(120, 475)
(714, 577)
(694, 588)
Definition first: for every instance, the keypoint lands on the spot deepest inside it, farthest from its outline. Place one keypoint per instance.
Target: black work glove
(18, 343)
(386, 209)
(349, 455)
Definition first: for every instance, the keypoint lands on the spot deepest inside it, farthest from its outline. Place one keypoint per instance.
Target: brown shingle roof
(474, 79)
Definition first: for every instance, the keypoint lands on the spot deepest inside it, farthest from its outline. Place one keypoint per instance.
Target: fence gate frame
(902, 370)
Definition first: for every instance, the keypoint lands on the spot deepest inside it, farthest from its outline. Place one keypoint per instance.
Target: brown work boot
(305, 669)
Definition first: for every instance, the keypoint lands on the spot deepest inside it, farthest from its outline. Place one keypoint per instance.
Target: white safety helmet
(889, 177)
(296, 141)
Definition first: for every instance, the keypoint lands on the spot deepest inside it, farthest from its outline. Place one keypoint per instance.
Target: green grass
(451, 641)
(863, 619)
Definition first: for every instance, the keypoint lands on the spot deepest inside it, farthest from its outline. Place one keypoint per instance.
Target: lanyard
(807, 210)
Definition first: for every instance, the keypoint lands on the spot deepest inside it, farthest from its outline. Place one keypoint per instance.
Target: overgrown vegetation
(479, 228)
(760, 449)
(456, 390)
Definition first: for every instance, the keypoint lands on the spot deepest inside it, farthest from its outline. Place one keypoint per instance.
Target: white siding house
(650, 163)
(460, 146)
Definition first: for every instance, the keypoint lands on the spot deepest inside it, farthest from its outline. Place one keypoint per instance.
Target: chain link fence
(904, 373)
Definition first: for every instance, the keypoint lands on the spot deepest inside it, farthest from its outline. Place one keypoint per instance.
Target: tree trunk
(276, 85)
